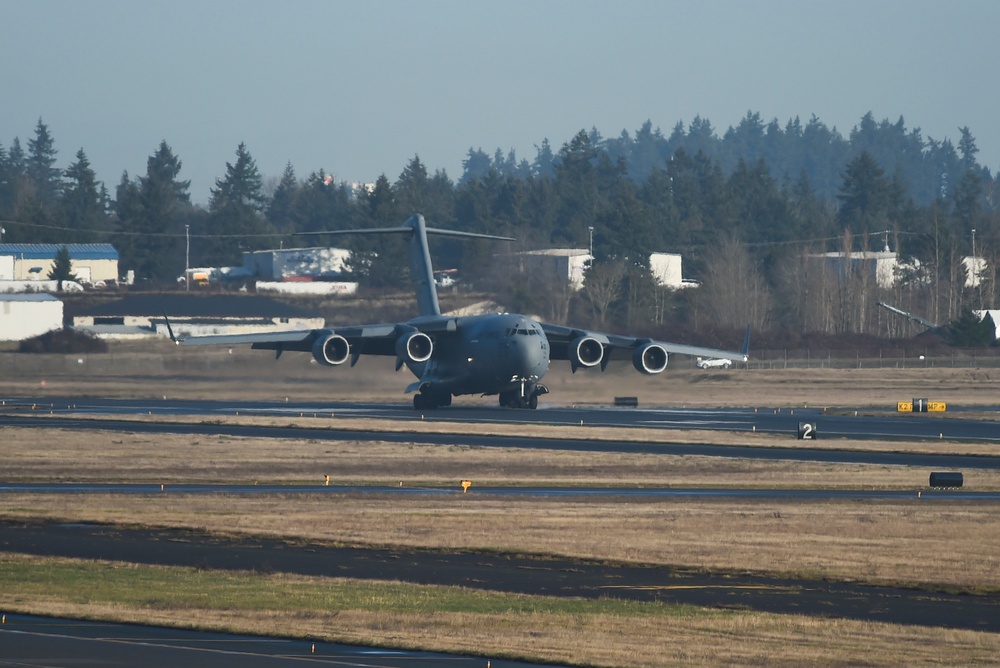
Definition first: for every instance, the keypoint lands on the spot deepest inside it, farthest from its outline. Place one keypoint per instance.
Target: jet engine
(585, 351)
(331, 350)
(649, 359)
(414, 347)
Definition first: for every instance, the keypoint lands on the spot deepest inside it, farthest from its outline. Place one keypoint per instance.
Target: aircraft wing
(565, 345)
(381, 339)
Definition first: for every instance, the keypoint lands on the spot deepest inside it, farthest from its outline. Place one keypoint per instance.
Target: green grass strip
(176, 588)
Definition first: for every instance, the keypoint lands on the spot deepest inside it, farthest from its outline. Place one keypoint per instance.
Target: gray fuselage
(486, 354)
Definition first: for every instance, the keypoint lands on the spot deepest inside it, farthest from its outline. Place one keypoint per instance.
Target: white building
(290, 263)
(667, 270)
(29, 315)
(6, 267)
(880, 265)
(555, 264)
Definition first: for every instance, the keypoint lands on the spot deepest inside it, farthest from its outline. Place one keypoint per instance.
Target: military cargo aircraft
(504, 354)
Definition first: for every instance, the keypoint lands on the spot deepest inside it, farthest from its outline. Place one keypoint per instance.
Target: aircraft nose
(529, 359)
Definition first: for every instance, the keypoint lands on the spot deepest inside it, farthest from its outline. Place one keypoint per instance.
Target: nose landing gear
(524, 397)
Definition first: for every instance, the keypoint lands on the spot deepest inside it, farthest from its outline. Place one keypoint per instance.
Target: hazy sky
(359, 88)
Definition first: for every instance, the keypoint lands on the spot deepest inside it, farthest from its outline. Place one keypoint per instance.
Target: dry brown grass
(29, 455)
(914, 542)
(911, 541)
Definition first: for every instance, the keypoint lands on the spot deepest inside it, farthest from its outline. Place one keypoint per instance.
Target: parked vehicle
(709, 363)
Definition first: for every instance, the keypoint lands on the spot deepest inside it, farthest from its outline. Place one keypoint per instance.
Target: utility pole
(591, 230)
(974, 270)
(187, 258)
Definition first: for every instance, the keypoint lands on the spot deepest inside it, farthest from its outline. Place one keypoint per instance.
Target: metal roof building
(48, 251)
(90, 262)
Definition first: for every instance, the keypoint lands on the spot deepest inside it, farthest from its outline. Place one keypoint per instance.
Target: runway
(27, 640)
(800, 452)
(842, 423)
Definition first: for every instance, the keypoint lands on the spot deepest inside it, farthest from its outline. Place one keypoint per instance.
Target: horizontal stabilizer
(402, 229)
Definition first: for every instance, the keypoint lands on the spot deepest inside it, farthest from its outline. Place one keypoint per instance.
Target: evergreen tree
(967, 147)
(82, 202)
(576, 186)
(151, 214)
(544, 165)
(236, 222)
(864, 196)
(744, 143)
(62, 268)
(41, 167)
(242, 185)
(965, 198)
(320, 205)
(18, 161)
(126, 212)
(760, 210)
(20, 192)
(645, 154)
(380, 260)
(658, 197)
(411, 189)
(475, 166)
(281, 209)
(968, 331)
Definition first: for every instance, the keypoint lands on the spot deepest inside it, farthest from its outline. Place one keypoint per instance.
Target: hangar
(140, 316)
(29, 315)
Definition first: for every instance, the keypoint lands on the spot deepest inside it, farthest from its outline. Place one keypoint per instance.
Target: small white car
(710, 363)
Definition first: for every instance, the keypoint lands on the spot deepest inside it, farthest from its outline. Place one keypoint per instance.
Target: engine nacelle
(414, 347)
(585, 351)
(649, 359)
(331, 350)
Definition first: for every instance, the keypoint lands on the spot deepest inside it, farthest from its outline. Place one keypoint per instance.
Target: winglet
(170, 330)
(746, 345)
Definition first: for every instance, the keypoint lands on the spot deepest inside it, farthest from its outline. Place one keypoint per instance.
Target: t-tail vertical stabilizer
(421, 270)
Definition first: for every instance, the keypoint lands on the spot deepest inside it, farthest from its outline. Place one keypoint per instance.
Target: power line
(112, 233)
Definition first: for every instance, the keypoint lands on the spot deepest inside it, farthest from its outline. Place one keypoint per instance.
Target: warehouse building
(26, 316)
(90, 262)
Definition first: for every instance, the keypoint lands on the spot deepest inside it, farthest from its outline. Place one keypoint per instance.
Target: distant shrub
(65, 341)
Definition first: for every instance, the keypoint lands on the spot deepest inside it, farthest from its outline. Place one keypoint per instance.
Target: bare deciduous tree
(735, 292)
(603, 286)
